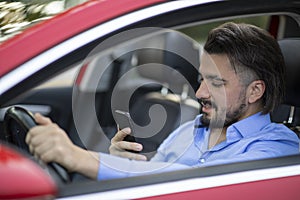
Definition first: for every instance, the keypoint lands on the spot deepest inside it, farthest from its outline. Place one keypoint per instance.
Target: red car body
(21, 178)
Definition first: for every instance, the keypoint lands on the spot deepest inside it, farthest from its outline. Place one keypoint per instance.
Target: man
(242, 71)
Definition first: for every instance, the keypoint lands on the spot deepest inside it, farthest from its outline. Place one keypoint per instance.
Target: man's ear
(256, 90)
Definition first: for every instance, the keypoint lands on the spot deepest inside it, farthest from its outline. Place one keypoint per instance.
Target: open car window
(148, 68)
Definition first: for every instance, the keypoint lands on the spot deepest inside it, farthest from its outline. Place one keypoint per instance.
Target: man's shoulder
(280, 131)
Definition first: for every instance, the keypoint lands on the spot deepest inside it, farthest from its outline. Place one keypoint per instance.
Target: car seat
(288, 112)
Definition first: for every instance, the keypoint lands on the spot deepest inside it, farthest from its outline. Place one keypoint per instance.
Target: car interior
(154, 80)
(146, 82)
(288, 112)
(161, 86)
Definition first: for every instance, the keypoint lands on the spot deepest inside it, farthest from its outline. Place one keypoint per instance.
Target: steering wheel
(17, 122)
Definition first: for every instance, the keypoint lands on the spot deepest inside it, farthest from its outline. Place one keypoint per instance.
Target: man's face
(222, 95)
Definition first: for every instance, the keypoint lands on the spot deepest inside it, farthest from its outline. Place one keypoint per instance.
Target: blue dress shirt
(249, 139)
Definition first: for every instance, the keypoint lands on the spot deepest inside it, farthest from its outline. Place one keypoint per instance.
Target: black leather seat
(288, 112)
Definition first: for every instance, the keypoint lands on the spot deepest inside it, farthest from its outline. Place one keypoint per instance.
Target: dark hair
(251, 49)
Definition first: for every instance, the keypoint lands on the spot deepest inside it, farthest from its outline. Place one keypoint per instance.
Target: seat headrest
(290, 48)
(177, 51)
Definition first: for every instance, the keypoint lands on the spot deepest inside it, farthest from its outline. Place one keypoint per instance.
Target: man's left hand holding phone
(124, 144)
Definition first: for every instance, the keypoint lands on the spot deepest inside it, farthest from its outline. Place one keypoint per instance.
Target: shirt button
(202, 160)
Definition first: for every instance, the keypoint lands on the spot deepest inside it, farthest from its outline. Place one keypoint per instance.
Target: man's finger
(132, 156)
(120, 135)
(42, 120)
(133, 146)
(33, 132)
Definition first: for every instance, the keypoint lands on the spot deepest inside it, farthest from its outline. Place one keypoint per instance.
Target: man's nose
(203, 91)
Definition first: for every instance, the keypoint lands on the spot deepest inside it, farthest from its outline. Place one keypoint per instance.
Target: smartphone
(124, 120)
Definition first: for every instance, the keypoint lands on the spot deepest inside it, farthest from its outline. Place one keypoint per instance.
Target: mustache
(207, 102)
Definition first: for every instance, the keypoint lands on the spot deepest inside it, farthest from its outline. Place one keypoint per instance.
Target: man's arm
(116, 167)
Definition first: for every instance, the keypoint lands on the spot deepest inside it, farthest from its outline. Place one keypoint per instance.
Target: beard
(222, 116)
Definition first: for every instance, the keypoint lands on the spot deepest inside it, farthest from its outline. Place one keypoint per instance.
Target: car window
(200, 32)
(128, 74)
(195, 32)
(65, 79)
(136, 89)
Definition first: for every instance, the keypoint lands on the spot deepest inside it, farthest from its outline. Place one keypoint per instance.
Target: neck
(252, 109)
(217, 135)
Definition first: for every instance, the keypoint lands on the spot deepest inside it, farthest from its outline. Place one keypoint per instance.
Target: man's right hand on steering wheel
(50, 143)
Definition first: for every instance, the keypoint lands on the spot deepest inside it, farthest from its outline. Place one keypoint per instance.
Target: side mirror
(22, 178)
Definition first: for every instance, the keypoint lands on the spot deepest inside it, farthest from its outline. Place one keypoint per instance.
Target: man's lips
(206, 105)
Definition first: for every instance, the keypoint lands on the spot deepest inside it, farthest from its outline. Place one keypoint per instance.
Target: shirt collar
(249, 126)
(243, 128)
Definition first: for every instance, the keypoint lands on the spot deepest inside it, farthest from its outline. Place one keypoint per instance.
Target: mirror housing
(22, 178)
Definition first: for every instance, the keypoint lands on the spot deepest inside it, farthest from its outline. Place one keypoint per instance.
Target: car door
(181, 17)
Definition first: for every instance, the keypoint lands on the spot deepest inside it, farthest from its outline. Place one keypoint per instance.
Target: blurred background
(15, 16)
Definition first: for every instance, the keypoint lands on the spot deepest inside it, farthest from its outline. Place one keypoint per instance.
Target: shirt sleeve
(260, 150)
(116, 167)
(112, 167)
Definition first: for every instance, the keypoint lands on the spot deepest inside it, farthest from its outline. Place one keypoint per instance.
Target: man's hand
(120, 148)
(48, 142)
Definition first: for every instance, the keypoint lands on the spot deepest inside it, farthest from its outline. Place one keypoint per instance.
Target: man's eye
(217, 83)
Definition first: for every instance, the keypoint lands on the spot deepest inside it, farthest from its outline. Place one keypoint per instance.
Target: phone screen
(124, 120)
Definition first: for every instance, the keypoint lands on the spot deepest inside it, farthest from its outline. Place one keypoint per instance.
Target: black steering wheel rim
(24, 119)
(17, 122)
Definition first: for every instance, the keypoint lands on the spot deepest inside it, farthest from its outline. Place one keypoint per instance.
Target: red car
(83, 64)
